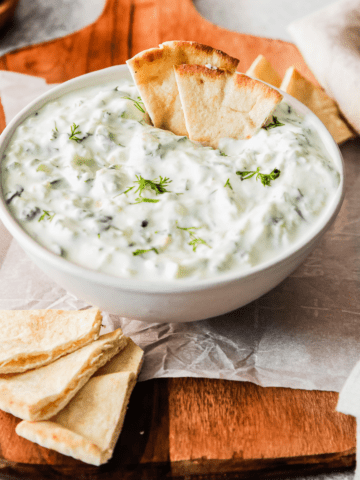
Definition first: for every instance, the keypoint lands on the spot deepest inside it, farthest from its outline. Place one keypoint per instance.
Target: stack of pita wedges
(70, 386)
(314, 97)
(193, 90)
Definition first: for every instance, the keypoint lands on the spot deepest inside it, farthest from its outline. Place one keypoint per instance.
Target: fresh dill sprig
(74, 133)
(228, 184)
(264, 177)
(275, 123)
(125, 192)
(55, 132)
(146, 200)
(137, 103)
(194, 240)
(140, 251)
(158, 186)
(128, 190)
(47, 215)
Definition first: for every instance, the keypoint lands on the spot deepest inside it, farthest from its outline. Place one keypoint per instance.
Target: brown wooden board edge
(265, 468)
(195, 469)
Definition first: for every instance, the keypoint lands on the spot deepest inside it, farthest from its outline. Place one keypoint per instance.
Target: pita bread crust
(98, 410)
(263, 70)
(89, 426)
(197, 53)
(130, 359)
(153, 74)
(218, 104)
(49, 434)
(41, 393)
(33, 338)
(315, 98)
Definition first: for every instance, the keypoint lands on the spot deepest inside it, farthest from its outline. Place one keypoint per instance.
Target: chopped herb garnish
(43, 168)
(128, 190)
(146, 200)
(275, 123)
(125, 192)
(194, 241)
(54, 132)
(30, 213)
(197, 241)
(140, 252)
(265, 178)
(19, 190)
(223, 154)
(74, 133)
(137, 103)
(47, 216)
(228, 184)
(157, 186)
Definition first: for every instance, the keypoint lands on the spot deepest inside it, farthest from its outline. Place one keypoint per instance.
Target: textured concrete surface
(36, 21)
(263, 18)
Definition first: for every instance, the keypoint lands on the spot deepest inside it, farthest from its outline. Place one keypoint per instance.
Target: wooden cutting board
(177, 428)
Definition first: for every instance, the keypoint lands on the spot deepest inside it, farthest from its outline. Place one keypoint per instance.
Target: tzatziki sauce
(89, 178)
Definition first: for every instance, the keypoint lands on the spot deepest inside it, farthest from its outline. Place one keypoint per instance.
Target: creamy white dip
(92, 181)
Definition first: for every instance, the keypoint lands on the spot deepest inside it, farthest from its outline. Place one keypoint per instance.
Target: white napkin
(349, 403)
(15, 95)
(329, 41)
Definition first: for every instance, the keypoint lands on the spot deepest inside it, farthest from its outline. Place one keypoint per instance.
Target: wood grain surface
(184, 428)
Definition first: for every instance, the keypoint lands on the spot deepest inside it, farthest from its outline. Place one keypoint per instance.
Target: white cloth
(329, 41)
(349, 403)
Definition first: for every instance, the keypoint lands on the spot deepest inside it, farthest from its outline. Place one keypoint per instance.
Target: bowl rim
(35, 249)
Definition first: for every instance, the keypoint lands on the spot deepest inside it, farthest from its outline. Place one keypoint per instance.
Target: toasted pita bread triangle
(89, 426)
(263, 70)
(32, 338)
(40, 393)
(153, 74)
(127, 360)
(219, 104)
(319, 102)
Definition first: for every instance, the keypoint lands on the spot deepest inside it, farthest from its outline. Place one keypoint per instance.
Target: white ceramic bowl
(182, 301)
